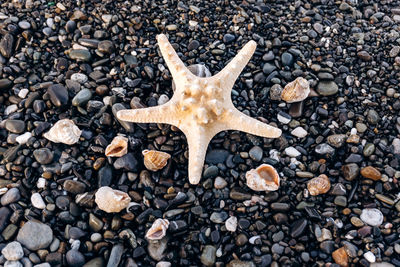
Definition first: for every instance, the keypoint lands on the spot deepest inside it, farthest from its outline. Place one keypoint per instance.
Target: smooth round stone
(287, 59)
(220, 183)
(47, 31)
(106, 46)
(241, 240)
(372, 217)
(218, 217)
(275, 92)
(23, 24)
(11, 196)
(23, 138)
(268, 68)
(361, 127)
(208, 255)
(96, 237)
(74, 187)
(373, 117)
(82, 97)
(5, 83)
(324, 149)
(37, 201)
(228, 38)
(13, 264)
(43, 155)
(10, 109)
(369, 256)
(299, 132)
(292, 152)
(15, 126)
(256, 153)
(13, 251)
(35, 235)
(231, 224)
(340, 201)
(277, 249)
(75, 258)
(327, 88)
(193, 45)
(79, 77)
(80, 55)
(369, 149)
(76, 233)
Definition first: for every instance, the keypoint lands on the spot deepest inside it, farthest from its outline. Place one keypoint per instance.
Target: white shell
(111, 200)
(264, 178)
(118, 147)
(64, 131)
(158, 229)
(373, 217)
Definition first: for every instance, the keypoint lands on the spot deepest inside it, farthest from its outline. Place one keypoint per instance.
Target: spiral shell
(264, 178)
(111, 200)
(296, 91)
(158, 229)
(319, 185)
(155, 160)
(118, 147)
(64, 131)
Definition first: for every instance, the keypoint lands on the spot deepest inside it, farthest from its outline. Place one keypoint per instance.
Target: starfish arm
(157, 114)
(198, 140)
(229, 74)
(175, 65)
(236, 120)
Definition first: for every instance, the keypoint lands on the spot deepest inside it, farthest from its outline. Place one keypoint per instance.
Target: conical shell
(118, 147)
(264, 178)
(296, 91)
(64, 131)
(158, 229)
(155, 160)
(319, 185)
(111, 200)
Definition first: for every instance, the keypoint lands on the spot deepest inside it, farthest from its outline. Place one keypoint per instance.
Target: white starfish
(201, 107)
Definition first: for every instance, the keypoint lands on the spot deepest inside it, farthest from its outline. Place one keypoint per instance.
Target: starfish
(201, 107)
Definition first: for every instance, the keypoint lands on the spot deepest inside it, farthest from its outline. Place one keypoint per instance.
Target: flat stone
(74, 187)
(13, 251)
(58, 95)
(15, 126)
(5, 84)
(35, 235)
(7, 45)
(216, 156)
(11, 196)
(80, 55)
(82, 97)
(43, 155)
(327, 88)
(208, 256)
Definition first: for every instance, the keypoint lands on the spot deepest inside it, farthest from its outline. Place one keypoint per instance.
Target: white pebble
(23, 138)
(162, 99)
(41, 183)
(283, 119)
(119, 91)
(292, 152)
(79, 77)
(369, 256)
(396, 146)
(23, 93)
(163, 264)
(253, 239)
(78, 46)
(231, 224)
(10, 109)
(75, 244)
(13, 251)
(95, 237)
(37, 201)
(13, 264)
(299, 132)
(373, 217)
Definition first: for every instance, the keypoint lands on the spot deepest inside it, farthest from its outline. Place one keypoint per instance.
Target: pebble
(80, 55)
(327, 88)
(82, 97)
(287, 59)
(292, 152)
(79, 77)
(371, 216)
(75, 258)
(15, 126)
(35, 235)
(13, 251)
(369, 256)
(228, 38)
(43, 155)
(218, 217)
(220, 183)
(58, 94)
(231, 224)
(371, 173)
(275, 92)
(208, 256)
(37, 201)
(299, 132)
(11, 196)
(256, 153)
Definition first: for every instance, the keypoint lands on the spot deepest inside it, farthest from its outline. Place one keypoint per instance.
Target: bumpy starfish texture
(201, 107)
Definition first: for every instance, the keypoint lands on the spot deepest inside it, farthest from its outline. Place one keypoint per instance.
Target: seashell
(118, 147)
(264, 178)
(296, 91)
(64, 131)
(319, 185)
(111, 200)
(158, 229)
(155, 160)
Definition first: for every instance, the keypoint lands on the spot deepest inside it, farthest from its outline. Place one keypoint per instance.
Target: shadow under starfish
(201, 107)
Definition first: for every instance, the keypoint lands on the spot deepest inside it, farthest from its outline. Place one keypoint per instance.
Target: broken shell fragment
(118, 147)
(158, 229)
(111, 200)
(296, 91)
(319, 185)
(64, 131)
(264, 178)
(155, 160)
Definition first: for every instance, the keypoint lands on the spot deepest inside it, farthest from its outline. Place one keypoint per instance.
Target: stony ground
(349, 51)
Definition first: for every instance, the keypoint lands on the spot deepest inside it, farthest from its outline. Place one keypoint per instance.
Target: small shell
(296, 91)
(111, 200)
(155, 160)
(64, 131)
(158, 229)
(118, 147)
(319, 185)
(264, 178)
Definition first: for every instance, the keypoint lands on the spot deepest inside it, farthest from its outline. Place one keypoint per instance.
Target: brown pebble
(340, 257)
(371, 173)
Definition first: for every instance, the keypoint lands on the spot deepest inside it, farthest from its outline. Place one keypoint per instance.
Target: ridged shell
(155, 160)
(296, 91)
(158, 229)
(319, 185)
(111, 200)
(64, 131)
(118, 147)
(264, 178)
